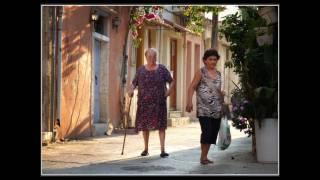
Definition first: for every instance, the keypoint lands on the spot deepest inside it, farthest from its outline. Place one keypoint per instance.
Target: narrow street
(102, 155)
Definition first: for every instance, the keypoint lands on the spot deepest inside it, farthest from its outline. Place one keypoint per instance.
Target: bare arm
(131, 90)
(171, 86)
(191, 89)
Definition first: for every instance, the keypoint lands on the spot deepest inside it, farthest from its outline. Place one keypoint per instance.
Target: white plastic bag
(224, 138)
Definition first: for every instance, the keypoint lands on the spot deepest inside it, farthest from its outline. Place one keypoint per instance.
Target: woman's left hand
(223, 93)
(167, 93)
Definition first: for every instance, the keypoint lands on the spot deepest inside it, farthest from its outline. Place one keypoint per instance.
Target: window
(101, 25)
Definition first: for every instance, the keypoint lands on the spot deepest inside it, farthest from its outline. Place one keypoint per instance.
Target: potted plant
(141, 15)
(269, 13)
(255, 100)
(264, 36)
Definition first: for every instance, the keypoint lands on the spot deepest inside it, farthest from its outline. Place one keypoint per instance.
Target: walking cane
(127, 111)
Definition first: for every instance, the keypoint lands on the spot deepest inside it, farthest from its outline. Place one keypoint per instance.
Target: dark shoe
(163, 154)
(209, 161)
(144, 153)
(206, 161)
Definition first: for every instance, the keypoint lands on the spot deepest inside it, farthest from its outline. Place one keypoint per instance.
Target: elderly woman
(207, 83)
(151, 80)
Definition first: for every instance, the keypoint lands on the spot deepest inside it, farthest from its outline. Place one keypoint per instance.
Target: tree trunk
(123, 69)
(214, 32)
(254, 151)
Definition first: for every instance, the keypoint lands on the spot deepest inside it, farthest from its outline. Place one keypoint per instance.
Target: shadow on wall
(76, 76)
(80, 131)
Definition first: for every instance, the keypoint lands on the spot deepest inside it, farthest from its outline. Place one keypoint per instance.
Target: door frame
(175, 72)
(102, 39)
(95, 91)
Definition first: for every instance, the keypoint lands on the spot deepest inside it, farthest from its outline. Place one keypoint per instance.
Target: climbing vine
(196, 18)
(141, 14)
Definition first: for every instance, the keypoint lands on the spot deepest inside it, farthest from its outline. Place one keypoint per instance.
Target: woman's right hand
(189, 107)
(130, 93)
(131, 90)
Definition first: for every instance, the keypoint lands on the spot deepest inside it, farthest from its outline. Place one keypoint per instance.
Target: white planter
(267, 140)
(269, 13)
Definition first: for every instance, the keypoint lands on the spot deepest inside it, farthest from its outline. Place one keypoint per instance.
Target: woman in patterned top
(151, 80)
(207, 83)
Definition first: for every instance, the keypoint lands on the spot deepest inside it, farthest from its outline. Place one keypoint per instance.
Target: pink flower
(242, 119)
(134, 34)
(234, 108)
(156, 7)
(150, 16)
(141, 18)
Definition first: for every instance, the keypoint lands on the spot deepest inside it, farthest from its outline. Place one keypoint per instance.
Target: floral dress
(152, 106)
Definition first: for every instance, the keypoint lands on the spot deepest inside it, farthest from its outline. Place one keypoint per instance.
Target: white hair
(151, 50)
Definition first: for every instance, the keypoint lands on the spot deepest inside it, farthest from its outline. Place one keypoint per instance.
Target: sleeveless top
(209, 101)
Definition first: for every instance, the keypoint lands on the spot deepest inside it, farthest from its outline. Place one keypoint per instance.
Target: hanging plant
(139, 16)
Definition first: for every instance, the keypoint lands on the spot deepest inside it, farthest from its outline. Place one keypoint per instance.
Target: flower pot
(267, 140)
(264, 36)
(265, 39)
(269, 13)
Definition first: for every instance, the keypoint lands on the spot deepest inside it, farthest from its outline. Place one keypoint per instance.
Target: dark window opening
(99, 25)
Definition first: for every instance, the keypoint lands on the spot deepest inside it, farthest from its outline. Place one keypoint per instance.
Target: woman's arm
(131, 90)
(134, 84)
(191, 89)
(171, 86)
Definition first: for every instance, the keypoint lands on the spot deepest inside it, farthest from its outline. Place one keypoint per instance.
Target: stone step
(99, 129)
(175, 114)
(178, 121)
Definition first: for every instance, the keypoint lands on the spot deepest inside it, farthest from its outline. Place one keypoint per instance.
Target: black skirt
(209, 129)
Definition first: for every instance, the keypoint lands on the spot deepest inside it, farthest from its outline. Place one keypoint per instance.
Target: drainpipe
(214, 33)
(56, 69)
(59, 58)
(53, 70)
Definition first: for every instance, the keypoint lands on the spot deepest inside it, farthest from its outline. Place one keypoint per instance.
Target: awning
(159, 24)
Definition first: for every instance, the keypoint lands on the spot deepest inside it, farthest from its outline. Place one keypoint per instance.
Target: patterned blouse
(209, 101)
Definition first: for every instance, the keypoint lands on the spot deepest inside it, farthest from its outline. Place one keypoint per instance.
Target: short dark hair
(210, 52)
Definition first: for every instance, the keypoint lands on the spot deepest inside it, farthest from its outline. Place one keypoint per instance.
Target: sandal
(164, 154)
(205, 162)
(144, 153)
(209, 161)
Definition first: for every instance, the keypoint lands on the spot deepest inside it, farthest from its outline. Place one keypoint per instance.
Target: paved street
(102, 156)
